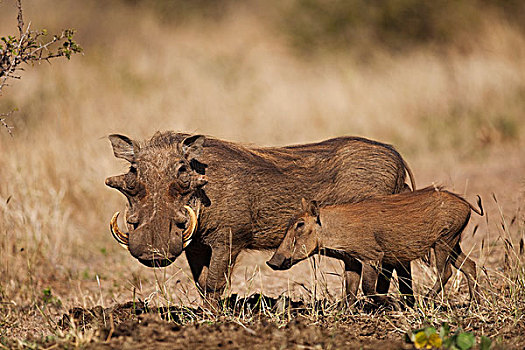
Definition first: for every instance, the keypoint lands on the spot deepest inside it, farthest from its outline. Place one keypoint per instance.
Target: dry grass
(457, 117)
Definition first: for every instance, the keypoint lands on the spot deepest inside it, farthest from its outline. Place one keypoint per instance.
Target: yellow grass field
(457, 116)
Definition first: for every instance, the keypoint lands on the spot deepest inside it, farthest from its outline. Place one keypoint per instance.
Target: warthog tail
(410, 175)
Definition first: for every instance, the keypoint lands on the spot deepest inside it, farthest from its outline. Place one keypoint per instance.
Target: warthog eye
(184, 180)
(178, 188)
(131, 189)
(183, 175)
(131, 182)
(181, 225)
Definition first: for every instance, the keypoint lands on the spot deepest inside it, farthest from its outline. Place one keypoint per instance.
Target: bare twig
(20, 17)
(3, 117)
(30, 47)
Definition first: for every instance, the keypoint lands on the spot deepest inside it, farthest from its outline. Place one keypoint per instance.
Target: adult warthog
(214, 198)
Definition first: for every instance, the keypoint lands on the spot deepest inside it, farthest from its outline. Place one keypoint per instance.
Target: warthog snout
(301, 238)
(160, 190)
(158, 255)
(279, 262)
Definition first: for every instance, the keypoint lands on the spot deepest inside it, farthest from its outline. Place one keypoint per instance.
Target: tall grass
(457, 117)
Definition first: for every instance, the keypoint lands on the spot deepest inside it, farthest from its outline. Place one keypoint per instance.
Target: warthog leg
(442, 251)
(404, 275)
(369, 276)
(383, 282)
(447, 253)
(199, 256)
(353, 270)
(211, 269)
(468, 267)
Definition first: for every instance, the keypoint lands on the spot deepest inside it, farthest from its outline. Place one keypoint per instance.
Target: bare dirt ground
(150, 329)
(133, 325)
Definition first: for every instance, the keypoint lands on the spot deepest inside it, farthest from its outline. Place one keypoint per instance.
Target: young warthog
(388, 229)
(227, 197)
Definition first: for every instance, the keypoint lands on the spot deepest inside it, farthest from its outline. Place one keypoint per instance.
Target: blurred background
(443, 81)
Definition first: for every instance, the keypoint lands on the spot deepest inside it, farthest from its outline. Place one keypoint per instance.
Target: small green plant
(49, 298)
(46, 295)
(431, 338)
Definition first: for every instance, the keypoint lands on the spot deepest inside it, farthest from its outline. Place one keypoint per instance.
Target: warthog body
(250, 193)
(393, 230)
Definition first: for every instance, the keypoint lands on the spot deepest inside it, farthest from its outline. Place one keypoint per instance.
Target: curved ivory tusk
(186, 235)
(121, 237)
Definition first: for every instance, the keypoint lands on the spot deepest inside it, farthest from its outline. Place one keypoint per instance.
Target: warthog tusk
(186, 235)
(121, 237)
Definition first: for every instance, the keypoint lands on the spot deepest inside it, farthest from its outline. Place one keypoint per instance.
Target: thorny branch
(3, 117)
(30, 47)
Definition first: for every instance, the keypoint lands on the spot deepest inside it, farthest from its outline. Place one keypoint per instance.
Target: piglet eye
(299, 225)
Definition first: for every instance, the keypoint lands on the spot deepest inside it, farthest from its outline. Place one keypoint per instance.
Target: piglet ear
(304, 205)
(191, 147)
(124, 147)
(313, 208)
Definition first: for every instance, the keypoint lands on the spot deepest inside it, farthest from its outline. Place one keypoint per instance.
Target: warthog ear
(115, 181)
(191, 147)
(123, 147)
